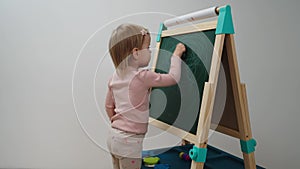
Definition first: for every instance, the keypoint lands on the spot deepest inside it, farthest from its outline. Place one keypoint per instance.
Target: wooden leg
(196, 165)
(240, 98)
(249, 159)
(208, 99)
(199, 165)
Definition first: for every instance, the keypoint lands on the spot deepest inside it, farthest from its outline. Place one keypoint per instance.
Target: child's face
(145, 53)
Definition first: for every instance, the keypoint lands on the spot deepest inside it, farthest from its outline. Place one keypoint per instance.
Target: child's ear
(135, 53)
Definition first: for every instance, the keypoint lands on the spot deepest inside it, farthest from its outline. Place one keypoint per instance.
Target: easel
(224, 53)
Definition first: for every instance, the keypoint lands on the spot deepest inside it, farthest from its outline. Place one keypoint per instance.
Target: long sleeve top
(128, 96)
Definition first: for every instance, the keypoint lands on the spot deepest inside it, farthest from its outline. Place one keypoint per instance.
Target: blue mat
(216, 159)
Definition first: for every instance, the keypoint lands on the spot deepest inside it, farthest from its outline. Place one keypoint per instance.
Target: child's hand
(180, 48)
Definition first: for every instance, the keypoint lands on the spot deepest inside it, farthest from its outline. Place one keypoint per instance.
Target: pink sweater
(129, 96)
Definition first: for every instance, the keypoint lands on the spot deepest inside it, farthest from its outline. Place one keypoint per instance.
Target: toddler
(127, 100)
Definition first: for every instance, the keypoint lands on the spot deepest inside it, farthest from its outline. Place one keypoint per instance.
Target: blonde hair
(123, 40)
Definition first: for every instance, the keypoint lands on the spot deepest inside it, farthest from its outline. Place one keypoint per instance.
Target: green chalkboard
(179, 105)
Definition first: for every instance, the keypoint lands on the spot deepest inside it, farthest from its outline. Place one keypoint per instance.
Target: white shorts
(125, 144)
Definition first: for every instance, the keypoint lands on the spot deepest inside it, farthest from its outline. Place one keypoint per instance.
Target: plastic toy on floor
(184, 156)
(151, 161)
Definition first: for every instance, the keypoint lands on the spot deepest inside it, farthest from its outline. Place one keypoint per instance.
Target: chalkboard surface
(179, 105)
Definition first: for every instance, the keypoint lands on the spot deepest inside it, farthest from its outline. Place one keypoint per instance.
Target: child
(127, 100)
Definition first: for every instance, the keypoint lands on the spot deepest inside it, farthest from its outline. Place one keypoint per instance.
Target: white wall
(47, 45)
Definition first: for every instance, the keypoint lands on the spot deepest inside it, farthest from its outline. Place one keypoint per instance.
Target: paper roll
(198, 15)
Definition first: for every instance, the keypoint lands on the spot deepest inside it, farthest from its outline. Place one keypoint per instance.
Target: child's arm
(110, 104)
(180, 48)
(153, 79)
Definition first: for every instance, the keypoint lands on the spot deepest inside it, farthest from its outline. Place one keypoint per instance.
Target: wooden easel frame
(239, 93)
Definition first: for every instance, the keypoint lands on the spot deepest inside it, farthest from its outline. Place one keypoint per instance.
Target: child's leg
(116, 162)
(126, 149)
(130, 163)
